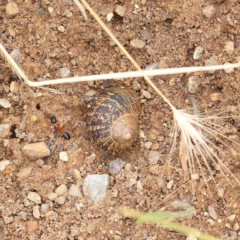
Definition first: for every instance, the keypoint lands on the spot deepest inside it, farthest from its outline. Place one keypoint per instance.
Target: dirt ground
(52, 35)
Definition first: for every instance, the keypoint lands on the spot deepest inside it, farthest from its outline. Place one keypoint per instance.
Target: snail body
(113, 119)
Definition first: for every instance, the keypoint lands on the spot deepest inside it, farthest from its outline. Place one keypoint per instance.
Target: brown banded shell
(113, 119)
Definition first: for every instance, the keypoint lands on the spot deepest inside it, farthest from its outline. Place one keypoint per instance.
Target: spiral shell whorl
(113, 120)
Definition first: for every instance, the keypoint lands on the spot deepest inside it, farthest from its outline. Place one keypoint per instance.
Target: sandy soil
(53, 34)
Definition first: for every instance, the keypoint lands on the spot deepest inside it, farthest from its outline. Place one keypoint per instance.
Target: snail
(112, 121)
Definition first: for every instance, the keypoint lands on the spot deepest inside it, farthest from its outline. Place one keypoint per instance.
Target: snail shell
(113, 119)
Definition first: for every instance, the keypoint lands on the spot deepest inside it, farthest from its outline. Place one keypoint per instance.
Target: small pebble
(229, 47)
(128, 167)
(69, 14)
(146, 35)
(60, 200)
(109, 17)
(36, 212)
(50, 9)
(31, 226)
(95, 186)
(63, 72)
(211, 62)
(197, 53)
(136, 85)
(24, 173)
(3, 164)
(61, 190)
(33, 118)
(211, 221)
(120, 10)
(141, 134)
(208, 11)
(193, 83)
(10, 169)
(74, 191)
(190, 237)
(170, 184)
(231, 217)
(52, 196)
(44, 207)
(5, 103)
(146, 94)
(228, 70)
(63, 156)
(12, 8)
(61, 28)
(139, 187)
(41, 11)
(34, 197)
(36, 150)
(137, 43)
(77, 173)
(16, 55)
(215, 96)
(116, 166)
(148, 145)
(212, 213)
(4, 130)
(153, 157)
(52, 214)
(236, 227)
(220, 192)
(91, 93)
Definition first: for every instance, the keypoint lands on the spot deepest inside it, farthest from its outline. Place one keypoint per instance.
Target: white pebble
(170, 184)
(5, 103)
(34, 197)
(50, 9)
(61, 28)
(197, 53)
(109, 17)
(3, 164)
(63, 156)
(36, 212)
